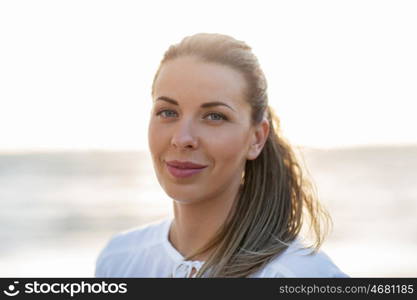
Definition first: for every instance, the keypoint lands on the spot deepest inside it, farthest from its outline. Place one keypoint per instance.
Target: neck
(197, 223)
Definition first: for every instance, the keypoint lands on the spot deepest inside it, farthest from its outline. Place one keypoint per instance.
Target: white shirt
(147, 252)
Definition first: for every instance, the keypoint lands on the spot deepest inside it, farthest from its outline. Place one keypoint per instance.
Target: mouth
(184, 170)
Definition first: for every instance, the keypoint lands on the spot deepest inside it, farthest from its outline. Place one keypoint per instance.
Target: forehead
(189, 78)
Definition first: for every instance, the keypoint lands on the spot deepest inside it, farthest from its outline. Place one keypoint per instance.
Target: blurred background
(75, 79)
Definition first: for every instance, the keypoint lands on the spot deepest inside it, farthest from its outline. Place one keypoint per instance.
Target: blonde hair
(275, 199)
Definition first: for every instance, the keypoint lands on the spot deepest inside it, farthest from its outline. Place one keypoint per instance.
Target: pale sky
(77, 74)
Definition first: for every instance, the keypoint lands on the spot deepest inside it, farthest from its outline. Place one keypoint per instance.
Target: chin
(183, 195)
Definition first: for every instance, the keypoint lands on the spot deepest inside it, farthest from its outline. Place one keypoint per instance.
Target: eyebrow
(204, 105)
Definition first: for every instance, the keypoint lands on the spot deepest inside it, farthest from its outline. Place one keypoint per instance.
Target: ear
(258, 139)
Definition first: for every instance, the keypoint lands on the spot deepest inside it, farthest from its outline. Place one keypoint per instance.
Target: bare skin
(220, 137)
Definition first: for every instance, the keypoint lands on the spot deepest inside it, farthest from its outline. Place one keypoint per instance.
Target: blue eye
(166, 113)
(217, 117)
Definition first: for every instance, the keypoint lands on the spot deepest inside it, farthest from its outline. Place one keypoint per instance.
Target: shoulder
(299, 261)
(124, 244)
(139, 237)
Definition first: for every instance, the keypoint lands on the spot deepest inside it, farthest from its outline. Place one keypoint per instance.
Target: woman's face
(199, 116)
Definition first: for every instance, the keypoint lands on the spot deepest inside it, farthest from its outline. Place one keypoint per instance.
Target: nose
(184, 136)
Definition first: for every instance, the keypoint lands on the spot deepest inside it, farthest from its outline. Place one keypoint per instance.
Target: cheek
(229, 149)
(155, 139)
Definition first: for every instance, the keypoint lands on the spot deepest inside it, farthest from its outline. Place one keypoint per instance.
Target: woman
(239, 195)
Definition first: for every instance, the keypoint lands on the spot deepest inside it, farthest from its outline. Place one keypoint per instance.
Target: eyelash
(223, 117)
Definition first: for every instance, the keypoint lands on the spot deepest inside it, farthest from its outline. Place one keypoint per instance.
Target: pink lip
(184, 164)
(184, 169)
